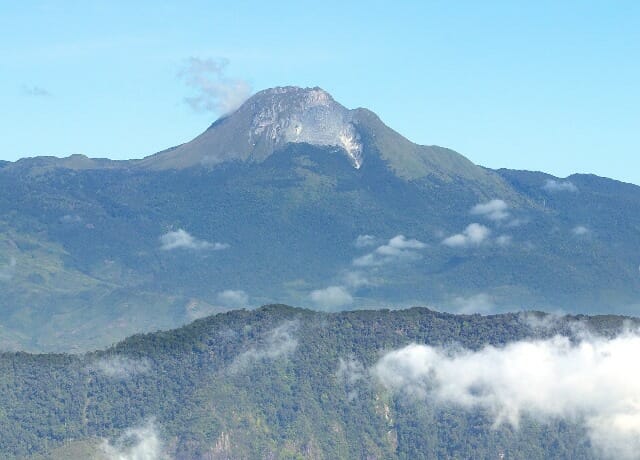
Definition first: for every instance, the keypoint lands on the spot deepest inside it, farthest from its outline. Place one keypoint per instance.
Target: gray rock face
(290, 114)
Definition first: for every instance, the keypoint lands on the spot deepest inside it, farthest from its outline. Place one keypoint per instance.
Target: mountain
(282, 382)
(294, 198)
(273, 118)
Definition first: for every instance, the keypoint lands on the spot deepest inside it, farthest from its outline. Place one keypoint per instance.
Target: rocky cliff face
(296, 115)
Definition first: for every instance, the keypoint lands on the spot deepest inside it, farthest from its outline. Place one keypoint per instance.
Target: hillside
(282, 382)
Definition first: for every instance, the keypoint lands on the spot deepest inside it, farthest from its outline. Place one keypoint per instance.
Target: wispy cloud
(580, 230)
(474, 235)
(233, 298)
(504, 240)
(495, 210)
(350, 371)
(553, 186)
(8, 271)
(35, 91)
(141, 443)
(543, 322)
(277, 343)
(396, 249)
(215, 92)
(331, 297)
(181, 239)
(356, 279)
(479, 303)
(71, 219)
(363, 241)
(594, 381)
(120, 367)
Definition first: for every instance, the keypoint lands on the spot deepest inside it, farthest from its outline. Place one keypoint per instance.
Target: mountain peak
(301, 115)
(266, 122)
(311, 96)
(275, 117)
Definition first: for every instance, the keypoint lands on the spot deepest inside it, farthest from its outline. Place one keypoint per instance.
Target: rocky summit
(265, 123)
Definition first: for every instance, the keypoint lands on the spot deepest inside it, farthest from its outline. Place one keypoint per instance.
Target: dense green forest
(275, 382)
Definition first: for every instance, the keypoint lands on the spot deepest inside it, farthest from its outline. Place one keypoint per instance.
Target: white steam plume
(215, 92)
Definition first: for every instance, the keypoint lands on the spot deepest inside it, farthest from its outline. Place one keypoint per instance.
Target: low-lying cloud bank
(141, 443)
(595, 381)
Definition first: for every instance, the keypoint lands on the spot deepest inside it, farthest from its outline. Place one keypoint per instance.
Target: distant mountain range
(294, 198)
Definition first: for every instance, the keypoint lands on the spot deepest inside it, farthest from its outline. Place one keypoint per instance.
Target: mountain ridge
(84, 259)
(278, 382)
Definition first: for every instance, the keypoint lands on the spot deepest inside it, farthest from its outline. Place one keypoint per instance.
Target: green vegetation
(89, 269)
(265, 384)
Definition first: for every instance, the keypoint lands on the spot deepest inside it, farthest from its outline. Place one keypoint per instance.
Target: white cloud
(142, 443)
(350, 372)
(397, 248)
(356, 279)
(233, 298)
(552, 186)
(7, 271)
(71, 219)
(504, 240)
(580, 230)
(331, 297)
(479, 303)
(367, 260)
(277, 343)
(474, 235)
(594, 381)
(517, 222)
(362, 241)
(120, 367)
(181, 239)
(541, 322)
(214, 91)
(493, 210)
(400, 242)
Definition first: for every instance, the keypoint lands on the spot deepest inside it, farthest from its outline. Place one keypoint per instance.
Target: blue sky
(543, 85)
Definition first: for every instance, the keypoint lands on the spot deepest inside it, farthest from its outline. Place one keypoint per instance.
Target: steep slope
(276, 382)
